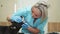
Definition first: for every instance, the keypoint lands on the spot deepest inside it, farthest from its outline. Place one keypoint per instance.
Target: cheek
(35, 16)
(38, 15)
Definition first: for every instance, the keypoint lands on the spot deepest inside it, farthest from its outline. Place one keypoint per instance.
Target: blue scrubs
(27, 14)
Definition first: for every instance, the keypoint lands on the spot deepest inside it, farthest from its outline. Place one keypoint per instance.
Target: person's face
(36, 12)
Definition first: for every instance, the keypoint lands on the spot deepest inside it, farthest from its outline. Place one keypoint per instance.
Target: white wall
(24, 3)
(6, 9)
(54, 11)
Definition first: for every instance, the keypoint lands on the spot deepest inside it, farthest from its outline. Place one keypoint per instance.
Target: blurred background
(8, 7)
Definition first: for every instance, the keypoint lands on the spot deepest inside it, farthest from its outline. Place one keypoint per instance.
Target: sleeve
(16, 16)
(20, 12)
(42, 25)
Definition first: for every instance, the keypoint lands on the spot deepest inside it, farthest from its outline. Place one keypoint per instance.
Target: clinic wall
(54, 11)
(25, 3)
(6, 8)
(54, 16)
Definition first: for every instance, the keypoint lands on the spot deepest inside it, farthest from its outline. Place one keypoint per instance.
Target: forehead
(34, 9)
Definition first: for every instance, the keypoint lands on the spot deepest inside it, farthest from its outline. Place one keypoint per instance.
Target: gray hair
(43, 8)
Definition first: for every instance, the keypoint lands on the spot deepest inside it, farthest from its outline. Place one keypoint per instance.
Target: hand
(17, 19)
(25, 26)
(8, 18)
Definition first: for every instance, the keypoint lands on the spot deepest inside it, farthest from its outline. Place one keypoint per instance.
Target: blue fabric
(27, 14)
(25, 26)
(17, 19)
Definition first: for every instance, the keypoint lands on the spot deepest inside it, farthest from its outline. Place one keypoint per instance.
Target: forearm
(33, 30)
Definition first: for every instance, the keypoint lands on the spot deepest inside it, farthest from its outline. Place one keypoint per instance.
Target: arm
(14, 16)
(34, 30)
(38, 28)
(31, 29)
(20, 12)
(42, 25)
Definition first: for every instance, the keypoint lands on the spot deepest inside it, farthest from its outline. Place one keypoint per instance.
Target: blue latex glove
(17, 19)
(25, 26)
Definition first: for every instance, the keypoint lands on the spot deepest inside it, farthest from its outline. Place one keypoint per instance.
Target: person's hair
(43, 9)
